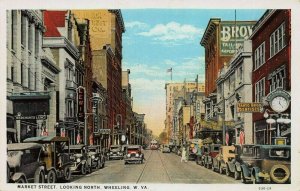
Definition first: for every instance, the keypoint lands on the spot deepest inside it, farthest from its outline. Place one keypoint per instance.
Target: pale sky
(158, 39)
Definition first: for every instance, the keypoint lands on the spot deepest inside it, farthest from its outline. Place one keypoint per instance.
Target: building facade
(173, 92)
(27, 87)
(107, 27)
(220, 42)
(59, 37)
(271, 48)
(234, 86)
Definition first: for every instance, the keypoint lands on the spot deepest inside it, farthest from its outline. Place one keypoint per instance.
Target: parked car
(82, 162)
(133, 154)
(24, 163)
(266, 163)
(115, 152)
(166, 149)
(220, 162)
(212, 153)
(55, 156)
(231, 166)
(97, 156)
(200, 157)
(192, 152)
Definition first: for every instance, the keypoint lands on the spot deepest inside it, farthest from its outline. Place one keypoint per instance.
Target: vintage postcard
(130, 95)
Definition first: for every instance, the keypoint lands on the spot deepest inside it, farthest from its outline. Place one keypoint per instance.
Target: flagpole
(171, 73)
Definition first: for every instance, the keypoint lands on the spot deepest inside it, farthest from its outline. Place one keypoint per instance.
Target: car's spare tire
(280, 174)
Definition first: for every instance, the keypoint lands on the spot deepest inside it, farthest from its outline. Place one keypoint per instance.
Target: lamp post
(277, 119)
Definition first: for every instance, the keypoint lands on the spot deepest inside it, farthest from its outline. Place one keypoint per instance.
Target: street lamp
(277, 119)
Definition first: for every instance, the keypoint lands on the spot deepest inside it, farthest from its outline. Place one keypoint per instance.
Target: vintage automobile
(82, 162)
(200, 157)
(265, 164)
(166, 149)
(220, 162)
(55, 156)
(115, 152)
(97, 156)
(133, 154)
(212, 153)
(24, 163)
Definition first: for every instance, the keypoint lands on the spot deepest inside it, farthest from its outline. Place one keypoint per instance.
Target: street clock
(279, 100)
(279, 104)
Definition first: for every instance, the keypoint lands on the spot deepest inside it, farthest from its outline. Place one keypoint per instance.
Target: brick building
(271, 47)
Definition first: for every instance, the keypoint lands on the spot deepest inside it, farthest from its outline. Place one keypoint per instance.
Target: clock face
(279, 104)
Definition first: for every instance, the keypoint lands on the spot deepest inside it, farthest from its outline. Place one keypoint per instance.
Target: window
(12, 73)
(37, 42)
(277, 40)
(34, 81)
(259, 56)
(22, 75)
(240, 75)
(277, 79)
(260, 90)
(29, 77)
(70, 108)
(30, 37)
(23, 30)
(13, 31)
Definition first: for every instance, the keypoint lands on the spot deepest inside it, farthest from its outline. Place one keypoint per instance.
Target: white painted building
(25, 79)
(234, 86)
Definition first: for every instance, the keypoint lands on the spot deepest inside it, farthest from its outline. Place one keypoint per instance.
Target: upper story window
(260, 90)
(277, 79)
(259, 56)
(277, 40)
(37, 42)
(13, 29)
(23, 30)
(30, 37)
(240, 75)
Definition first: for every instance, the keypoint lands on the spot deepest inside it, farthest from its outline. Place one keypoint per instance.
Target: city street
(158, 168)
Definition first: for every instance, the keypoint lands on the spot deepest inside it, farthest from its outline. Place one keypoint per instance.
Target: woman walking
(183, 155)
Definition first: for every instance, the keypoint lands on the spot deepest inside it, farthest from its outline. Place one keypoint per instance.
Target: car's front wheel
(83, 169)
(39, 176)
(237, 175)
(21, 180)
(51, 176)
(67, 173)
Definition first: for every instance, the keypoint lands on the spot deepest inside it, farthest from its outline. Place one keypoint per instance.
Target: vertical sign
(95, 105)
(80, 101)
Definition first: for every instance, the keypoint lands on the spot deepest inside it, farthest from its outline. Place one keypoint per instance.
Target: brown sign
(249, 107)
(80, 101)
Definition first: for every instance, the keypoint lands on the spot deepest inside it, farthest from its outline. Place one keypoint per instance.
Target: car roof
(133, 146)
(43, 139)
(76, 146)
(23, 146)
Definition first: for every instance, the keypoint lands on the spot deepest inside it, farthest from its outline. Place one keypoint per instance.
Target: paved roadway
(158, 168)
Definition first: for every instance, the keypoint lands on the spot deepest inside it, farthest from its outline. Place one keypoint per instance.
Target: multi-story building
(220, 40)
(59, 37)
(127, 99)
(271, 47)
(234, 86)
(83, 69)
(107, 27)
(29, 84)
(174, 91)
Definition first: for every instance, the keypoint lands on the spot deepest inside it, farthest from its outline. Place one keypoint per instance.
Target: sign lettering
(249, 107)
(80, 100)
(233, 34)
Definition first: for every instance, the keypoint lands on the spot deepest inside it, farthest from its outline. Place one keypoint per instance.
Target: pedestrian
(183, 155)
